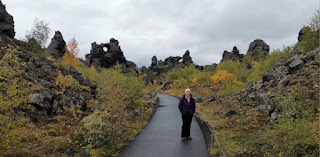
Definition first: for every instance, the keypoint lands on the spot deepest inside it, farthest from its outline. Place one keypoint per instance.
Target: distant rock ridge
(255, 47)
(159, 67)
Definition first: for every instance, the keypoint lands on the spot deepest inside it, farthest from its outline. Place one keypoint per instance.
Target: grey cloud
(164, 28)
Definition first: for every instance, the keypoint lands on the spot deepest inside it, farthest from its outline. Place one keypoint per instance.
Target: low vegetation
(119, 112)
(248, 132)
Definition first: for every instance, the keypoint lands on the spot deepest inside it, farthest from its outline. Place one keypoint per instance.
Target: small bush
(222, 76)
(230, 76)
(267, 63)
(228, 84)
(186, 73)
(89, 73)
(181, 83)
(66, 81)
(131, 84)
(210, 69)
(70, 56)
(30, 46)
(201, 78)
(235, 68)
(310, 40)
(190, 76)
(231, 88)
(247, 60)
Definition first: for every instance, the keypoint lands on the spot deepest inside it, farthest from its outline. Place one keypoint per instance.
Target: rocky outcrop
(50, 98)
(234, 55)
(186, 58)
(158, 67)
(167, 85)
(6, 22)
(198, 98)
(212, 98)
(202, 67)
(56, 48)
(299, 70)
(256, 47)
(98, 57)
(302, 32)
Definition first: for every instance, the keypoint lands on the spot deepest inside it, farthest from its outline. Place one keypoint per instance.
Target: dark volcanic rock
(187, 60)
(199, 67)
(52, 98)
(268, 77)
(6, 22)
(233, 55)
(198, 98)
(257, 46)
(212, 98)
(166, 85)
(57, 46)
(298, 68)
(295, 65)
(230, 113)
(154, 61)
(172, 61)
(98, 57)
(302, 32)
(158, 68)
(45, 100)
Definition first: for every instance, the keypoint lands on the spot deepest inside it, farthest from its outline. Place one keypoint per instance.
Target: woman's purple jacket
(186, 109)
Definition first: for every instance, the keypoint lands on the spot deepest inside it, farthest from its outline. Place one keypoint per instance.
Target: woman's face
(188, 93)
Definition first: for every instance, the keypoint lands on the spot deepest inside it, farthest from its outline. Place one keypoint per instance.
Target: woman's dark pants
(186, 119)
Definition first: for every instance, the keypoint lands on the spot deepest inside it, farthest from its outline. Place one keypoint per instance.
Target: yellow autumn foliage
(14, 96)
(222, 76)
(70, 56)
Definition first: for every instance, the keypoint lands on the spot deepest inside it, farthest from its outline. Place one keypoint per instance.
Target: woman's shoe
(184, 138)
(189, 138)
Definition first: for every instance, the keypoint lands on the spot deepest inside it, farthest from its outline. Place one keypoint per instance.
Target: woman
(187, 107)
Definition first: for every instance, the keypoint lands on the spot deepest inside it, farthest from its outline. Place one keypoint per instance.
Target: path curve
(161, 138)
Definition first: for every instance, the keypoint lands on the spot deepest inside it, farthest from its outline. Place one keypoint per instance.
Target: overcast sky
(166, 28)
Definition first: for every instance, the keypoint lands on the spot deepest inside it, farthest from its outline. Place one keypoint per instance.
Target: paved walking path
(161, 138)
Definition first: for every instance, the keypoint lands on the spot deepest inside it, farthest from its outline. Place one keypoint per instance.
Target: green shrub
(107, 128)
(113, 124)
(247, 60)
(30, 46)
(235, 68)
(15, 93)
(89, 73)
(68, 82)
(131, 85)
(181, 83)
(260, 54)
(227, 82)
(267, 63)
(201, 78)
(190, 76)
(310, 40)
(209, 68)
(186, 73)
(296, 133)
(231, 88)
